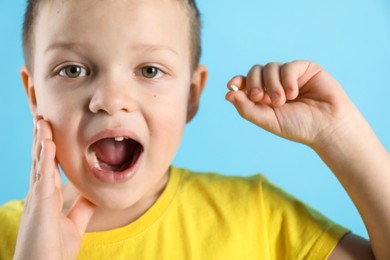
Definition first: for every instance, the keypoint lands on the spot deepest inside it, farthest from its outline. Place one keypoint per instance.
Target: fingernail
(229, 99)
(34, 125)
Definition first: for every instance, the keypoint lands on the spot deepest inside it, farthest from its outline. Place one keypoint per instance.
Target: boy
(111, 85)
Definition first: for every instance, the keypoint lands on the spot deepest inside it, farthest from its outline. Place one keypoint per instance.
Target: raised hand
(45, 232)
(298, 100)
(301, 102)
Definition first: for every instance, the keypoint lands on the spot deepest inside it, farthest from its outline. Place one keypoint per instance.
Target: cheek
(64, 126)
(63, 114)
(51, 103)
(60, 114)
(65, 136)
(57, 105)
(167, 121)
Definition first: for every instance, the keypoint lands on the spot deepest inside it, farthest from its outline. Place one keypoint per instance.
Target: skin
(301, 102)
(298, 101)
(113, 94)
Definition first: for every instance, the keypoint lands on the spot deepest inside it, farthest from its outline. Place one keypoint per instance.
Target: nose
(112, 96)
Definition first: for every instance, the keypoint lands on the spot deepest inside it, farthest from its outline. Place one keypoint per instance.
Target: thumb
(81, 212)
(259, 114)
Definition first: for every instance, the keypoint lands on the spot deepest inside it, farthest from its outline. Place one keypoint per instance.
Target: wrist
(344, 135)
(350, 146)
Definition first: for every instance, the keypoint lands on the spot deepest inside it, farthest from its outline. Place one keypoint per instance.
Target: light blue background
(350, 38)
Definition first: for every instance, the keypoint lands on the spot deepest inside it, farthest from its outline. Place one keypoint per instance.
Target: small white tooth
(233, 88)
(119, 138)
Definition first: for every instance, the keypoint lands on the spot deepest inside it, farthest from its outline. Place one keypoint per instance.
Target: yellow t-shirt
(206, 216)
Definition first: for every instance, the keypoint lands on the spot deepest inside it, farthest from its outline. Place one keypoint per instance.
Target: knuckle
(272, 84)
(292, 63)
(271, 65)
(268, 65)
(287, 68)
(277, 93)
(252, 84)
(289, 88)
(255, 67)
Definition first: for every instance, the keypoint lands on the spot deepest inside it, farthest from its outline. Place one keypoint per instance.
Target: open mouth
(114, 155)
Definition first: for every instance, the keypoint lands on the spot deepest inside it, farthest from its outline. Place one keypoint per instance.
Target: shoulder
(284, 221)
(11, 212)
(233, 196)
(10, 215)
(205, 182)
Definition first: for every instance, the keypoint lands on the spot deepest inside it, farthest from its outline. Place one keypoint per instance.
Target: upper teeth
(119, 138)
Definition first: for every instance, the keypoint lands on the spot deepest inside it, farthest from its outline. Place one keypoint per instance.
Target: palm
(71, 236)
(45, 232)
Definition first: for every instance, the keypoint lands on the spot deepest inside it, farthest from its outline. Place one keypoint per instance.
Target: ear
(199, 78)
(28, 84)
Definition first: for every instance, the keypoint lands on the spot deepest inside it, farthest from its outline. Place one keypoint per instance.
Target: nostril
(95, 106)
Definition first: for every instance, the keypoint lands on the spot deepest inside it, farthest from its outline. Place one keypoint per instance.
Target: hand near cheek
(45, 232)
(298, 100)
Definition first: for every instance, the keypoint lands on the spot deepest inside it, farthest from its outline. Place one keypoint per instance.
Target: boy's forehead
(142, 22)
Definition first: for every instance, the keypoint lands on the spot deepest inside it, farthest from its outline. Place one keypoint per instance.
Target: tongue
(112, 152)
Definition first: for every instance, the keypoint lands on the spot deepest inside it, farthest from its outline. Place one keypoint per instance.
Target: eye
(151, 72)
(72, 71)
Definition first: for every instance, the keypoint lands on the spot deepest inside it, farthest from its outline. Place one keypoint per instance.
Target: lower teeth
(94, 159)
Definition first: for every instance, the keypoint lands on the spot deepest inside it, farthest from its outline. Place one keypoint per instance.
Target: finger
(289, 75)
(58, 186)
(241, 83)
(35, 132)
(236, 83)
(36, 149)
(26, 205)
(35, 121)
(43, 132)
(271, 77)
(57, 176)
(44, 185)
(31, 186)
(34, 154)
(32, 173)
(257, 113)
(302, 72)
(81, 212)
(36, 118)
(254, 84)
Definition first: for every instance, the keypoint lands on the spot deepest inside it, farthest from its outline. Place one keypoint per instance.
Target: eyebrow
(63, 45)
(139, 46)
(153, 47)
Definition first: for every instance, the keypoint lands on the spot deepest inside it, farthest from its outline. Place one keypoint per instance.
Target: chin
(113, 204)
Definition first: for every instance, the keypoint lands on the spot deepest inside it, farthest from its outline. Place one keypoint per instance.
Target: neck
(108, 219)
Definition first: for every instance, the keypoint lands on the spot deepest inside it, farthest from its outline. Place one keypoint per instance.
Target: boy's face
(106, 69)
